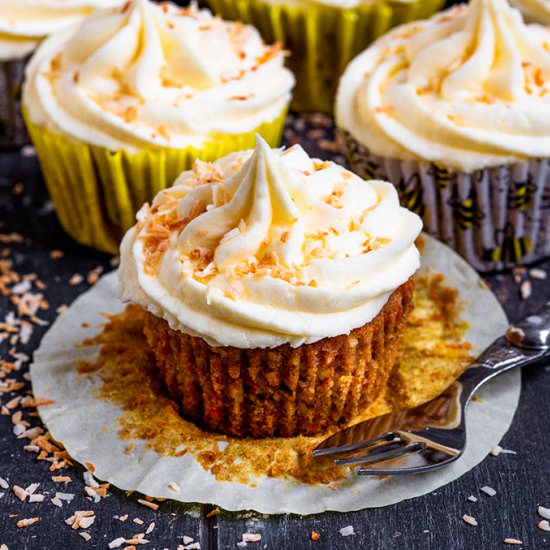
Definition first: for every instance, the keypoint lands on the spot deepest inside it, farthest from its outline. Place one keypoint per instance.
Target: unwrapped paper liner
(322, 39)
(496, 218)
(88, 428)
(97, 191)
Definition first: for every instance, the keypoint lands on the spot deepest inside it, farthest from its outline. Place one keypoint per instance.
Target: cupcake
(455, 111)
(534, 10)
(275, 286)
(118, 107)
(23, 23)
(323, 35)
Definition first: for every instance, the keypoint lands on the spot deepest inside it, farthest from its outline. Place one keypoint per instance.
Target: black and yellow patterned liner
(496, 218)
(97, 191)
(322, 39)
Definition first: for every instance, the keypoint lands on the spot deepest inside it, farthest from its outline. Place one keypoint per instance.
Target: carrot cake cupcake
(455, 111)
(276, 286)
(118, 107)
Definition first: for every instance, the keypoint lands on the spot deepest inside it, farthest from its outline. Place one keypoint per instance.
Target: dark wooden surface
(522, 481)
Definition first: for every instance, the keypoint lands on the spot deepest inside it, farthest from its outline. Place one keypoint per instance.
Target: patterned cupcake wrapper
(496, 218)
(322, 39)
(12, 127)
(97, 191)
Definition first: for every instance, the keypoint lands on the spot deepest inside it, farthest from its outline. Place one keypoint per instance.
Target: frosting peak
(468, 88)
(268, 247)
(156, 74)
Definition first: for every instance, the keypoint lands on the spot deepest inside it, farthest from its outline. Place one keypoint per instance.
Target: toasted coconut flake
(347, 531)
(148, 504)
(117, 543)
(512, 541)
(173, 486)
(20, 493)
(469, 520)
(26, 522)
(85, 536)
(251, 537)
(488, 491)
(543, 512)
(543, 525)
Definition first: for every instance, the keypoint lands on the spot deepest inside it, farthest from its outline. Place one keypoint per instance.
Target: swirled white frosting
(155, 75)
(468, 88)
(268, 247)
(23, 23)
(534, 10)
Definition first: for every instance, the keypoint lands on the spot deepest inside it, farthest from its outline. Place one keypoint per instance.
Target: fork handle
(499, 357)
(525, 342)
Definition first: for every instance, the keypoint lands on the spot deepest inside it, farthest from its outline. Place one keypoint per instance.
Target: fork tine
(388, 436)
(383, 452)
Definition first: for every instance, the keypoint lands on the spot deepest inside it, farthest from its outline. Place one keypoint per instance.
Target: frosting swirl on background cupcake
(268, 247)
(23, 23)
(534, 10)
(155, 75)
(468, 88)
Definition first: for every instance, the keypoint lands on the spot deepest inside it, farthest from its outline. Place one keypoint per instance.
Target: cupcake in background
(537, 11)
(277, 286)
(455, 111)
(23, 24)
(119, 106)
(322, 35)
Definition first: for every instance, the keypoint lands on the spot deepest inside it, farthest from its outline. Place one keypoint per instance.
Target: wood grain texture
(434, 521)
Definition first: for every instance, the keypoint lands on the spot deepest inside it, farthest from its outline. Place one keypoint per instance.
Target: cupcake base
(282, 391)
(97, 191)
(495, 218)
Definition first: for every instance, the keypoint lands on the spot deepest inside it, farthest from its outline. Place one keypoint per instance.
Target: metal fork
(432, 435)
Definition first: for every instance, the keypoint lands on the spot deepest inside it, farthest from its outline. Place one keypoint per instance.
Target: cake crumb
(315, 536)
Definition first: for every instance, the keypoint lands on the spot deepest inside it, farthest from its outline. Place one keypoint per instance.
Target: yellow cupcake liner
(97, 191)
(322, 39)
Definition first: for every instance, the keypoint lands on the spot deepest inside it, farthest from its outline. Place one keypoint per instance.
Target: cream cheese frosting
(468, 88)
(23, 23)
(535, 10)
(268, 247)
(155, 75)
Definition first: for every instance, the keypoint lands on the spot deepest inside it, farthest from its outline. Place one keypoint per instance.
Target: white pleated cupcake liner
(496, 218)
